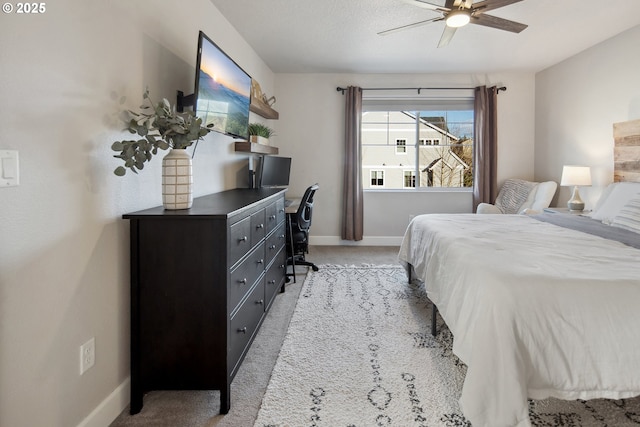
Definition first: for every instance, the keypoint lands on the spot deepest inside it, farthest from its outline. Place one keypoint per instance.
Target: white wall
(311, 129)
(577, 102)
(64, 249)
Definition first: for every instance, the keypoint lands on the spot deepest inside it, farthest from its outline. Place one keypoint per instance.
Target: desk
(293, 207)
(291, 210)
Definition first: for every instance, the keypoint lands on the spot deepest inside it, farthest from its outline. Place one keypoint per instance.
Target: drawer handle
(281, 265)
(272, 217)
(272, 247)
(243, 281)
(272, 282)
(243, 330)
(244, 239)
(260, 261)
(281, 210)
(281, 236)
(259, 226)
(260, 302)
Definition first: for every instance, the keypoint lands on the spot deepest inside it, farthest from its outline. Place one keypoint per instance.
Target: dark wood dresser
(202, 280)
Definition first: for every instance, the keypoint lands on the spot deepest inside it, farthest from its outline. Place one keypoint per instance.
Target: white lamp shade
(576, 175)
(458, 18)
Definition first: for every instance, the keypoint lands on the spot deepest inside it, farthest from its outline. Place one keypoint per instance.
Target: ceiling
(340, 36)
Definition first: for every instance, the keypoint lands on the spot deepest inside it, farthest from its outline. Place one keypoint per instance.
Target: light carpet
(358, 352)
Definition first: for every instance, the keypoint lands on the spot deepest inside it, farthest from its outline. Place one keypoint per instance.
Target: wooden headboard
(626, 151)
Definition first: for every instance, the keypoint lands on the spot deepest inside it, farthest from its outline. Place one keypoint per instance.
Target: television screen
(222, 90)
(274, 171)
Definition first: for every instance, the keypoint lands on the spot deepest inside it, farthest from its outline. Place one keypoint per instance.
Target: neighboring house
(390, 152)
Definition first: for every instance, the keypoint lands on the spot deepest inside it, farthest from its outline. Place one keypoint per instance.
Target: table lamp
(575, 176)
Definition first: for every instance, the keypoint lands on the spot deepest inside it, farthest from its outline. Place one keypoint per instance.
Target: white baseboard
(366, 241)
(109, 409)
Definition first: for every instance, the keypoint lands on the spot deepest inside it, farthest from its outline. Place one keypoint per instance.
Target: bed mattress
(536, 310)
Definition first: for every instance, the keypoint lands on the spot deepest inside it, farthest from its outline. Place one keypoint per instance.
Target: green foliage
(158, 127)
(260, 130)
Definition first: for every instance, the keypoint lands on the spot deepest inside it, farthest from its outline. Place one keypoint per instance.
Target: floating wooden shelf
(263, 109)
(252, 147)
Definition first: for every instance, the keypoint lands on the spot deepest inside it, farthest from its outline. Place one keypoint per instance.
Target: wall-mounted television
(222, 90)
(274, 171)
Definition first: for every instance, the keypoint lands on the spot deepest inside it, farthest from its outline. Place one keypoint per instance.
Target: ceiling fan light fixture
(458, 18)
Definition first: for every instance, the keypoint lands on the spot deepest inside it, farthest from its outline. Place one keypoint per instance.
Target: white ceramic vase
(177, 180)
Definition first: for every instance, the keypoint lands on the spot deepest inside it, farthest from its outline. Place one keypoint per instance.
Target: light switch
(8, 168)
(10, 175)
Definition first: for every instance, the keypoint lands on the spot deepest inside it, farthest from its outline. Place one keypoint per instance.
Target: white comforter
(536, 310)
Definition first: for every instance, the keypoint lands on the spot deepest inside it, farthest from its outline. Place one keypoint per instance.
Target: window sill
(420, 190)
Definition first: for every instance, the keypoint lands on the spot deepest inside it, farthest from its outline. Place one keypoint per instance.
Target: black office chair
(298, 227)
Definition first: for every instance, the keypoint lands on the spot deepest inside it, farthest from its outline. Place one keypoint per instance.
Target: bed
(539, 306)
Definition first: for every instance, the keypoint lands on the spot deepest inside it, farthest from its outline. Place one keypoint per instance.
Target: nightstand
(566, 211)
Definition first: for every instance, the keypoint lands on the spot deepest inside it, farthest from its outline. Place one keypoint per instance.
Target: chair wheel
(314, 268)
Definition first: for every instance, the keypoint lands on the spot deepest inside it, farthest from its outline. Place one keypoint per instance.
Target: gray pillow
(513, 194)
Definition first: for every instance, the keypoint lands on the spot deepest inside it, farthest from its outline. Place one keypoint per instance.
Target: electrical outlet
(87, 355)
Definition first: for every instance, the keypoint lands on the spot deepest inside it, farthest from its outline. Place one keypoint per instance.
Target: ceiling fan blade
(427, 5)
(447, 35)
(406, 27)
(499, 23)
(487, 5)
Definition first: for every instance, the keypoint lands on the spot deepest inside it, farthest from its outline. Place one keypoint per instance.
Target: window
(435, 137)
(410, 179)
(430, 141)
(377, 178)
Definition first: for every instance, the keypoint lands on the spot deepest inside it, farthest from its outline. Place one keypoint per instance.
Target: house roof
(429, 122)
(338, 36)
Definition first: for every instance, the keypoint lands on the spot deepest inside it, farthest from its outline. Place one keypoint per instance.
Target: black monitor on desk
(274, 171)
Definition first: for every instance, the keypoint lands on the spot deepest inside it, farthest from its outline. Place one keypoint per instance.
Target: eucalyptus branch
(158, 127)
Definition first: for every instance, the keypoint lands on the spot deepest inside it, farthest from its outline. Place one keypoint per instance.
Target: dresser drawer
(244, 324)
(274, 243)
(258, 227)
(275, 277)
(280, 214)
(244, 276)
(271, 216)
(239, 240)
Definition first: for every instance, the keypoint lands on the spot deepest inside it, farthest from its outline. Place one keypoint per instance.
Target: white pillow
(603, 197)
(629, 216)
(620, 194)
(543, 194)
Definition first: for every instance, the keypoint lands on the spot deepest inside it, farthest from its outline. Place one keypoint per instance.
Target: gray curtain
(485, 146)
(352, 212)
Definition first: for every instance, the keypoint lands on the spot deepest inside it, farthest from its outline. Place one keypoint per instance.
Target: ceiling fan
(458, 13)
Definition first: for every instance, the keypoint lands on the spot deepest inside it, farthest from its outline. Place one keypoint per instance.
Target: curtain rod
(342, 89)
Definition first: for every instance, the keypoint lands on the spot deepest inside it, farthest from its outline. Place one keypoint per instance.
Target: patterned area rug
(359, 353)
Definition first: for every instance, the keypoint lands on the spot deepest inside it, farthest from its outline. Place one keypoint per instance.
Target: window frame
(412, 178)
(371, 178)
(417, 108)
